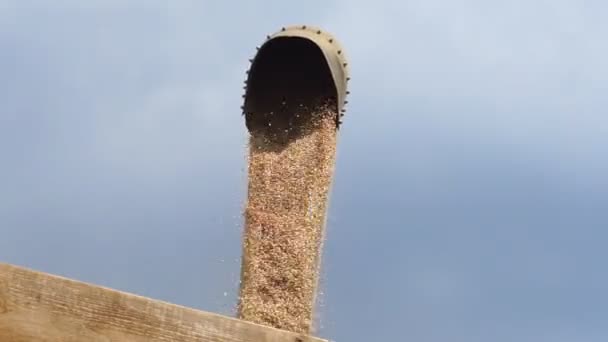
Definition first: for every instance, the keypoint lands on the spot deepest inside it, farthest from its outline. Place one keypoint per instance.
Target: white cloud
(521, 78)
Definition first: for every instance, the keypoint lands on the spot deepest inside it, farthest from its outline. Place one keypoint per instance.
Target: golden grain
(289, 183)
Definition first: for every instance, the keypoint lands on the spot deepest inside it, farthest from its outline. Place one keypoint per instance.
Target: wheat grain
(290, 173)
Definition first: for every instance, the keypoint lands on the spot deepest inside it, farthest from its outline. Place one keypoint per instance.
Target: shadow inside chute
(288, 81)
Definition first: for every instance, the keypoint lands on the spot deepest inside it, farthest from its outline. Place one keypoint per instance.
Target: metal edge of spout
(334, 56)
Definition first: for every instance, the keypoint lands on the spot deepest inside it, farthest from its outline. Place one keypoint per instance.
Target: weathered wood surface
(35, 306)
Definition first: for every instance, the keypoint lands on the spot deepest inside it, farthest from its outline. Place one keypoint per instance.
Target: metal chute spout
(296, 69)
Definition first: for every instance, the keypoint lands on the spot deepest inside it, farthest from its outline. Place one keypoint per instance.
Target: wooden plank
(35, 306)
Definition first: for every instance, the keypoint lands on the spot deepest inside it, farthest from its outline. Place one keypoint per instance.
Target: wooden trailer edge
(36, 306)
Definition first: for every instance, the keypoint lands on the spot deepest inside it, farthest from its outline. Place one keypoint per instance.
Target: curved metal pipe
(298, 66)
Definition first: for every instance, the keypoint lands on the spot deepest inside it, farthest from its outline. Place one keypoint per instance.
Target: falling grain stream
(291, 111)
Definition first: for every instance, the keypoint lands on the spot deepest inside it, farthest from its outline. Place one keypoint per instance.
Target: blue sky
(470, 198)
